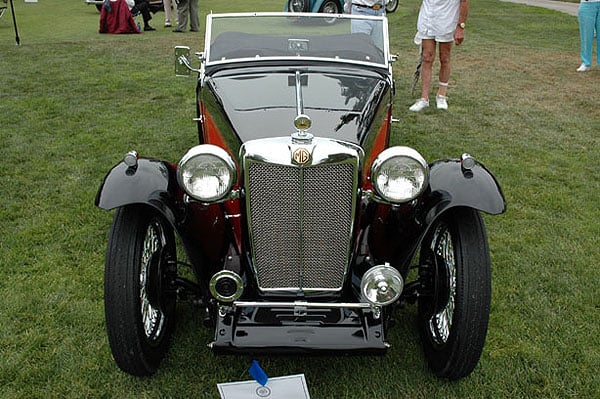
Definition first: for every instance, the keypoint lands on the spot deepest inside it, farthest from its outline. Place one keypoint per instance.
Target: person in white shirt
(440, 22)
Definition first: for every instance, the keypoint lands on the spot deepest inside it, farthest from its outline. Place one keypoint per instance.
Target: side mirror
(182, 61)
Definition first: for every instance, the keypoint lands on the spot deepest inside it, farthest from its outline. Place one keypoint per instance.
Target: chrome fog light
(226, 286)
(381, 285)
(207, 173)
(399, 174)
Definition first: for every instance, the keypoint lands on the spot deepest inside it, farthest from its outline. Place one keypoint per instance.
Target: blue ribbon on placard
(258, 373)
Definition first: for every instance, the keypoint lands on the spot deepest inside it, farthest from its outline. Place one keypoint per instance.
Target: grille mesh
(301, 220)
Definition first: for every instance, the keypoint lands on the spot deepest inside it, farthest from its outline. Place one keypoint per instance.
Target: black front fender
(151, 182)
(451, 186)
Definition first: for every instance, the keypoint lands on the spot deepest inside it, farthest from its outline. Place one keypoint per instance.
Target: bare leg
(427, 66)
(445, 50)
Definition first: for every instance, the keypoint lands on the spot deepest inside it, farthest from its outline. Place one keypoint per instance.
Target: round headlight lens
(399, 174)
(207, 173)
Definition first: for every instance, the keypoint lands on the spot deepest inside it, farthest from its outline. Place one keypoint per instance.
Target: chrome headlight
(381, 285)
(399, 174)
(207, 173)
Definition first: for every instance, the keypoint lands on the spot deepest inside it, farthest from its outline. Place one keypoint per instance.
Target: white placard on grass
(287, 387)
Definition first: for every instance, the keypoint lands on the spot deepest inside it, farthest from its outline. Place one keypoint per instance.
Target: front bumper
(267, 327)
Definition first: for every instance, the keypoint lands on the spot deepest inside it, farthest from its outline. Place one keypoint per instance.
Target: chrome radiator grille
(300, 222)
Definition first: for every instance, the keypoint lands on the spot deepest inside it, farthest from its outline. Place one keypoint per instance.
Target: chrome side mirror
(182, 61)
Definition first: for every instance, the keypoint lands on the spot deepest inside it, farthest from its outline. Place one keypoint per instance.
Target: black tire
(391, 6)
(139, 310)
(455, 303)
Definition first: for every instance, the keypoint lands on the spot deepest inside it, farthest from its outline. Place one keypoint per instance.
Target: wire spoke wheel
(298, 5)
(441, 322)
(330, 7)
(454, 302)
(391, 6)
(139, 310)
(152, 317)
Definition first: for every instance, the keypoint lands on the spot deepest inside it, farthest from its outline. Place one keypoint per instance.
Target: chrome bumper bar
(306, 304)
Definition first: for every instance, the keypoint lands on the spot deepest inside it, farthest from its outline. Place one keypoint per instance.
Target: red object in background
(118, 20)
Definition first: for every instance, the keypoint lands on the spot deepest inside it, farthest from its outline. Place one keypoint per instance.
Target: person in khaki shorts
(187, 9)
(440, 22)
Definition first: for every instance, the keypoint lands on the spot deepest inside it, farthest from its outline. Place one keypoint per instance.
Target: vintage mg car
(304, 230)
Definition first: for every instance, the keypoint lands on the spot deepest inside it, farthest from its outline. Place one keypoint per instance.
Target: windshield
(268, 36)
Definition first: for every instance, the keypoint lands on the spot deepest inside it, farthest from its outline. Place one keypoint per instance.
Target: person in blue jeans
(589, 24)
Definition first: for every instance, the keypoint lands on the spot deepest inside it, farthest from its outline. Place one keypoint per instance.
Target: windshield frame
(211, 22)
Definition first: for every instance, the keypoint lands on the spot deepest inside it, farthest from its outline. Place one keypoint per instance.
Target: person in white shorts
(440, 22)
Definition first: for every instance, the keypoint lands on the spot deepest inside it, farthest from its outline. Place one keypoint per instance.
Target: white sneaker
(583, 68)
(441, 102)
(419, 105)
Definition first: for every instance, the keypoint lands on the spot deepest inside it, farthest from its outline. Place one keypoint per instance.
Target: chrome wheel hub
(152, 318)
(443, 249)
(330, 8)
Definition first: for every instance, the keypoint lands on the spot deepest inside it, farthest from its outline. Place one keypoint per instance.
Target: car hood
(261, 103)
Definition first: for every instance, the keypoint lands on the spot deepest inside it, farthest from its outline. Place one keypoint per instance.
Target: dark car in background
(293, 222)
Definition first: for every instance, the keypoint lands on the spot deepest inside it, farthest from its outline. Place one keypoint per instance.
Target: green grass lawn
(72, 102)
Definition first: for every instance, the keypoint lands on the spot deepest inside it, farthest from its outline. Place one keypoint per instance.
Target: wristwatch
(462, 25)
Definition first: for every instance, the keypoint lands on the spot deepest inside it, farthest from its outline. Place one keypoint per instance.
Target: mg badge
(301, 156)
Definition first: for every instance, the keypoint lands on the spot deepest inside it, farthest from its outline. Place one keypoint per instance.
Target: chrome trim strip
(288, 290)
(316, 305)
(296, 14)
(278, 150)
(305, 59)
